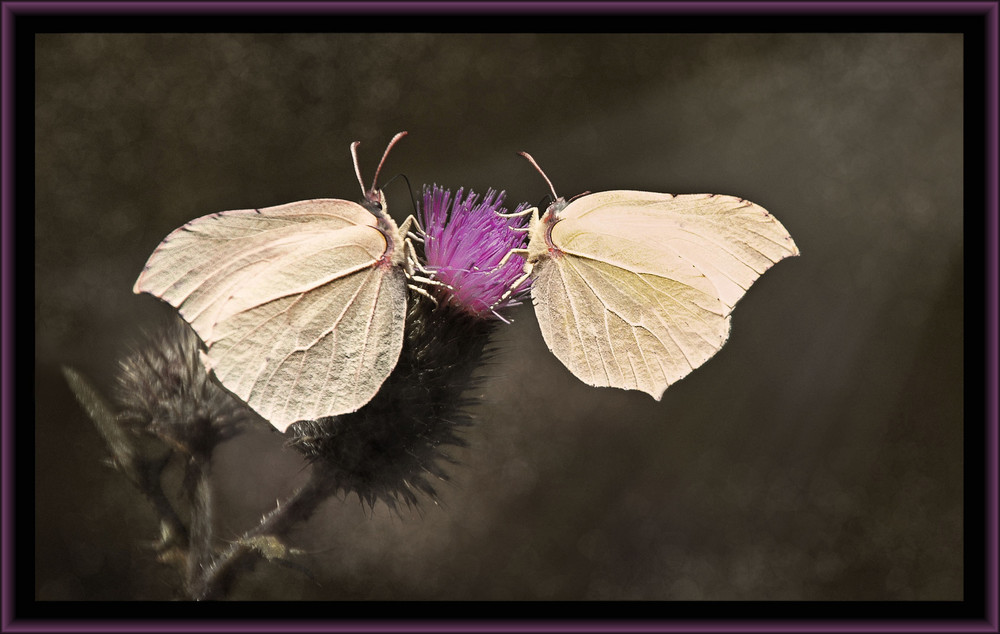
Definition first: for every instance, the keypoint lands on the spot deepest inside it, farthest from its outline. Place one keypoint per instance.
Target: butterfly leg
(429, 281)
(530, 210)
(404, 228)
(412, 261)
(521, 252)
(528, 268)
(519, 213)
(423, 292)
(413, 264)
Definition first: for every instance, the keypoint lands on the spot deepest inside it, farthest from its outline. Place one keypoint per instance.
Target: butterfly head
(551, 215)
(374, 201)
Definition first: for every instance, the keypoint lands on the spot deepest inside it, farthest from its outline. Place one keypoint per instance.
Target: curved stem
(217, 577)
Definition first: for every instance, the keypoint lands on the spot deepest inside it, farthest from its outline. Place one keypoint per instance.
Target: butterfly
(301, 307)
(635, 289)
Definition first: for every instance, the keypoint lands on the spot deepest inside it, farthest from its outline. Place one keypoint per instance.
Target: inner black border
(973, 608)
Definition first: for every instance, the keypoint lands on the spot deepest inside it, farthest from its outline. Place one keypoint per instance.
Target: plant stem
(217, 577)
(201, 553)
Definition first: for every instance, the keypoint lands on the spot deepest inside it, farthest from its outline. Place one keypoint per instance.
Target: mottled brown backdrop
(818, 456)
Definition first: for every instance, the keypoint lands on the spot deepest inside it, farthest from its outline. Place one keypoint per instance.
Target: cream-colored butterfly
(301, 307)
(634, 289)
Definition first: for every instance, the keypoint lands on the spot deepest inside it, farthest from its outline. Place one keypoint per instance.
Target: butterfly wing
(643, 288)
(300, 314)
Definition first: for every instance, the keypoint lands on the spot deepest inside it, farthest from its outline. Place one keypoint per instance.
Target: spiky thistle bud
(164, 390)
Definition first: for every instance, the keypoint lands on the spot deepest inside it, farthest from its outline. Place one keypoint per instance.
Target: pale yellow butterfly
(301, 307)
(634, 289)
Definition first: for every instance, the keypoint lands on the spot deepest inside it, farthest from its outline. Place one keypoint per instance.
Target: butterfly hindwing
(613, 327)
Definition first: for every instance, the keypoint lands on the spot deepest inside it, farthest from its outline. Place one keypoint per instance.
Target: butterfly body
(394, 254)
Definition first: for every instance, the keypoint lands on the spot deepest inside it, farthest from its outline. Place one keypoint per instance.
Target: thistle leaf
(101, 413)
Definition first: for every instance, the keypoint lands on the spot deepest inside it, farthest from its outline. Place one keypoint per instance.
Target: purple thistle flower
(465, 242)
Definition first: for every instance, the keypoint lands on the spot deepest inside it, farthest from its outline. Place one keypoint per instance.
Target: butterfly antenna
(392, 142)
(532, 161)
(413, 199)
(357, 168)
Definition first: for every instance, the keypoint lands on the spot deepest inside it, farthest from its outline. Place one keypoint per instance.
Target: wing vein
(278, 365)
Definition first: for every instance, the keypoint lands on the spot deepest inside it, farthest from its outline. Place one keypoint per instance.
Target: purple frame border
(10, 10)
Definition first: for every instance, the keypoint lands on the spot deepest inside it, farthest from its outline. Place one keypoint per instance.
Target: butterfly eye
(375, 202)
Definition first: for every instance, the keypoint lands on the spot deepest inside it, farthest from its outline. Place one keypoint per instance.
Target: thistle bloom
(464, 244)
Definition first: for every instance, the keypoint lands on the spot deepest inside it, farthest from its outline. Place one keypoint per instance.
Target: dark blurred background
(818, 456)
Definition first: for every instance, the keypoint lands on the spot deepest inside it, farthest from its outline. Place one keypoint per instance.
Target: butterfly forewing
(300, 315)
(728, 240)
